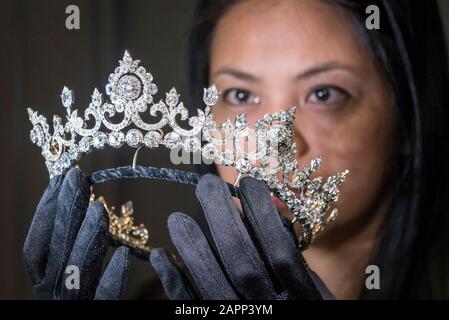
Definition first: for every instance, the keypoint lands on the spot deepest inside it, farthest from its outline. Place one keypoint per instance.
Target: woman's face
(269, 55)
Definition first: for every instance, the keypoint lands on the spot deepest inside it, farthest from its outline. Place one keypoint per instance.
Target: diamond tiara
(130, 92)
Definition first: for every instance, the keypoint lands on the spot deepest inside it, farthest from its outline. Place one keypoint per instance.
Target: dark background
(38, 56)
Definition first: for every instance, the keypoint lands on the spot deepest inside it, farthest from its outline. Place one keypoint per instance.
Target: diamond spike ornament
(129, 94)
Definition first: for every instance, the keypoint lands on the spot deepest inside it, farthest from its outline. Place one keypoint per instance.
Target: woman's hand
(251, 258)
(67, 231)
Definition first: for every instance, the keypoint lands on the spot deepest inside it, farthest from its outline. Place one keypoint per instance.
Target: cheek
(360, 143)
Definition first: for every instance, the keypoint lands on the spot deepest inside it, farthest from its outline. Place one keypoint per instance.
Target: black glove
(251, 258)
(67, 231)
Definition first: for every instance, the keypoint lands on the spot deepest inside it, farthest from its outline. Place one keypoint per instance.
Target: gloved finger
(88, 253)
(175, 283)
(72, 203)
(277, 248)
(197, 255)
(113, 282)
(324, 291)
(37, 243)
(240, 257)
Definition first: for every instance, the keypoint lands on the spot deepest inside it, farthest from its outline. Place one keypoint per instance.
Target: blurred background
(38, 56)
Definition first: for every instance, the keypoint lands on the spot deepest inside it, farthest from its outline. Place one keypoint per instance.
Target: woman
(371, 101)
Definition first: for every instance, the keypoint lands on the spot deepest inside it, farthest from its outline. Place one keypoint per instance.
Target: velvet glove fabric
(254, 257)
(68, 231)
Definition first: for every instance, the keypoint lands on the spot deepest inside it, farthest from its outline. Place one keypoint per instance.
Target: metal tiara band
(129, 95)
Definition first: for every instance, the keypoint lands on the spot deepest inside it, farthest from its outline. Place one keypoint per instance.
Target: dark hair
(409, 47)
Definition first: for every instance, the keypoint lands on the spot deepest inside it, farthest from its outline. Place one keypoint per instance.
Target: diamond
(172, 140)
(96, 98)
(241, 121)
(67, 97)
(65, 161)
(129, 87)
(116, 139)
(258, 173)
(227, 158)
(85, 144)
(210, 97)
(150, 89)
(73, 153)
(134, 138)
(148, 77)
(152, 139)
(192, 144)
(127, 57)
(99, 139)
(108, 89)
(209, 151)
(172, 98)
(141, 71)
(37, 136)
(243, 165)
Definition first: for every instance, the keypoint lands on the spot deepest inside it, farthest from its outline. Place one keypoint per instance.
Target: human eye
(240, 97)
(327, 95)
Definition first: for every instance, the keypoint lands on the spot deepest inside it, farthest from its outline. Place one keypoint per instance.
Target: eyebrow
(242, 75)
(236, 74)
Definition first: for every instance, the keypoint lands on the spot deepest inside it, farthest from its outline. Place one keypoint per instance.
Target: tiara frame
(130, 94)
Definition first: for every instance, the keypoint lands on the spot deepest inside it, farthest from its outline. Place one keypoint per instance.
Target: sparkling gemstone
(134, 137)
(277, 132)
(284, 117)
(85, 144)
(99, 139)
(192, 144)
(152, 139)
(73, 153)
(127, 57)
(67, 97)
(209, 151)
(172, 98)
(129, 87)
(172, 140)
(267, 118)
(243, 165)
(141, 71)
(315, 163)
(148, 98)
(114, 98)
(210, 97)
(148, 77)
(108, 89)
(227, 125)
(241, 121)
(116, 139)
(65, 161)
(257, 173)
(150, 89)
(37, 136)
(194, 121)
(96, 98)
(227, 157)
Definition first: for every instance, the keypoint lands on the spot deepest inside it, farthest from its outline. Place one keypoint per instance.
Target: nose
(283, 102)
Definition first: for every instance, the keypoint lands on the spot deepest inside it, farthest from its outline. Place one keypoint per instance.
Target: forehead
(285, 34)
